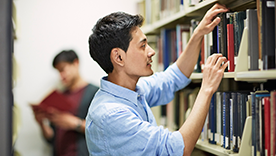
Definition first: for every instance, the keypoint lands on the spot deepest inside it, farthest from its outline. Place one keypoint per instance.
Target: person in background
(119, 120)
(66, 131)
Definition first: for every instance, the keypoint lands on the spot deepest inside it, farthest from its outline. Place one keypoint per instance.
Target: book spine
(230, 41)
(218, 117)
(253, 101)
(257, 126)
(243, 111)
(178, 40)
(261, 126)
(253, 36)
(268, 28)
(235, 122)
(166, 47)
(226, 120)
(231, 123)
(266, 102)
(211, 121)
(214, 38)
(273, 122)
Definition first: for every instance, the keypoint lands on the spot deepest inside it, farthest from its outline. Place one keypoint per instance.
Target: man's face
(68, 72)
(138, 56)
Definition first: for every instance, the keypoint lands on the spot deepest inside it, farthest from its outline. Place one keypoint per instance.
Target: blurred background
(43, 29)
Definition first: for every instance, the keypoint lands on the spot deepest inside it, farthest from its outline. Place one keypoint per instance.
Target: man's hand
(210, 20)
(39, 116)
(63, 120)
(213, 72)
(187, 60)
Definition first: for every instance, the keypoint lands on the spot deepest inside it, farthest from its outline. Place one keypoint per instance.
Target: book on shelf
(226, 120)
(194, 24)
(193, 2)
(253, 127)
(222, 34)
(266, 103)
(235, 127)
(140, 7)
(156, 10)
(182, 37)
(212, 120)
(259, 120)
(183, 104)
(166, 47)
(253, 46)
(273, 122)
(230, 44)
(267, 11)
(218, 118)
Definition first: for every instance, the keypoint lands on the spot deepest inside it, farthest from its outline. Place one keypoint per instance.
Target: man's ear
(117, 56)
(76, 61)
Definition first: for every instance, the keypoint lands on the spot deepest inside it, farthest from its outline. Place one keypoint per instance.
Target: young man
(67, 130)
(119, 120)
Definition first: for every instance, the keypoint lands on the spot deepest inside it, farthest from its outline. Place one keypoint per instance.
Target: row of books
(155, 10)
(227, 116)
(225, 39)
(224, 125)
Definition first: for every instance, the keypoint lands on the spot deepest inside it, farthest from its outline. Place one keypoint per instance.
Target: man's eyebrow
(143, 40)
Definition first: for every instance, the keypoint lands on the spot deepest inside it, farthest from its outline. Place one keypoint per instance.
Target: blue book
(165, 33)
(244, 99)
(226, 120)
(212, 120)
(253, 102)
(235, 121)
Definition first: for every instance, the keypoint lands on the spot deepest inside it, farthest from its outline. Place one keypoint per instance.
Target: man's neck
(123, 80)
(77, 84)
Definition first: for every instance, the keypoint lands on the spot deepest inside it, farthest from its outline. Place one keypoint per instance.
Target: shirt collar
(121, 92)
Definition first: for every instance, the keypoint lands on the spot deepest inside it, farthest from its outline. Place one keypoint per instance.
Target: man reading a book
(66, 131)
(119, 120)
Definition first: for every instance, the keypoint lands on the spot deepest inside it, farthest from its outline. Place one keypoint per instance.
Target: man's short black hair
(112, 31)
(68, 56)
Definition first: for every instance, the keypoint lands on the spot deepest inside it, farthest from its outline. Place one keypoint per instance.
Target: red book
(266, 102)
(54, 100)
(273, 122)
(230, 47)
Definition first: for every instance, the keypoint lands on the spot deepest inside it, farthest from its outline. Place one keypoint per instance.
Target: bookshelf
(217, 150)
(241, 73)
(189, 12)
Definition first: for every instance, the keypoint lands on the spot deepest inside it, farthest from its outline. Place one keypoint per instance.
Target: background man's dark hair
(65, 56)
(112, 31)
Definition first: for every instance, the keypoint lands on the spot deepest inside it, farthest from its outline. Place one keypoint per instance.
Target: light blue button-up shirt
(120, 121)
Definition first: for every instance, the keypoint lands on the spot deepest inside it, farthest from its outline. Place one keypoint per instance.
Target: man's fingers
(224, 65)
(212, 15)
(214, 58)
(214, 22)
(218, 6)
(219, 61)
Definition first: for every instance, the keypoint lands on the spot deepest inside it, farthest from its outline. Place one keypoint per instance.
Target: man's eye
(144, 45)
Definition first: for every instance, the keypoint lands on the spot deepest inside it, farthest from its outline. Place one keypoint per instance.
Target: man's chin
(148, 74)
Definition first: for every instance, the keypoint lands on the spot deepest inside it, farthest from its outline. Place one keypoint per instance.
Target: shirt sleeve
(160, 88)
(127, 134)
